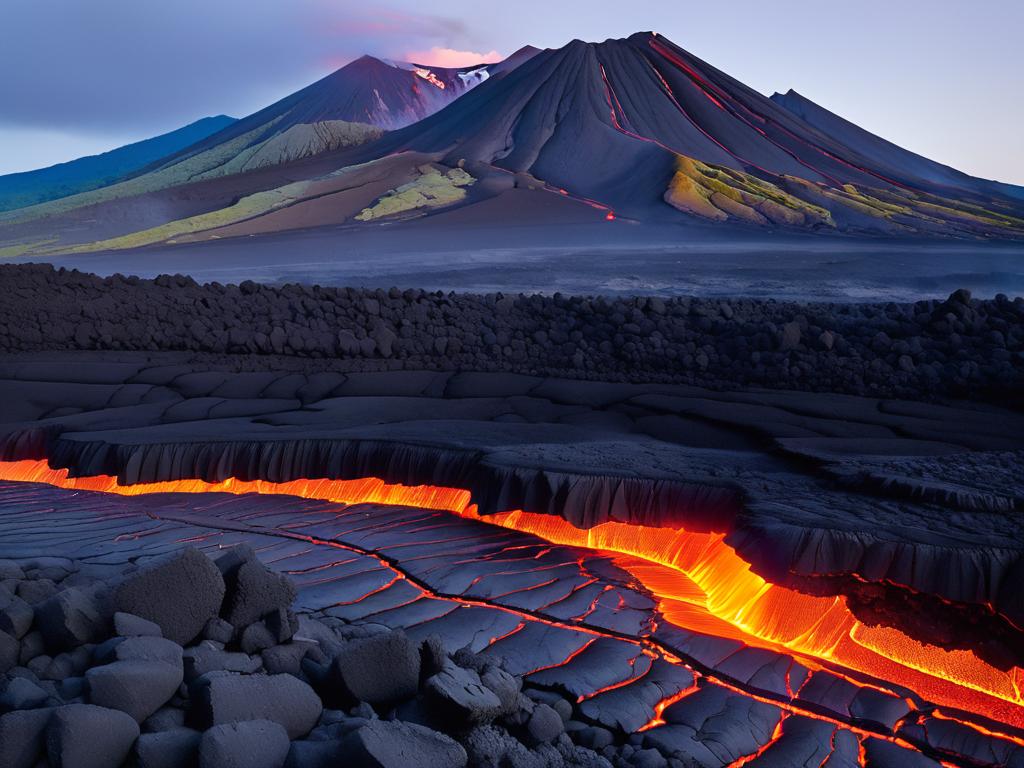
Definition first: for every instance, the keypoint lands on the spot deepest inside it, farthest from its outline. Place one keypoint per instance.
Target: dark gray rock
(491, 747)
(32, 645)
(71, 689)
(256, 637)
(544, 726)
(16, 616)
(87, 736)
(203, 658)
(433, 656)
(60, 667)
(593, 737)
(21, 693)
(71, 617)
(9, 569)
(10, 652)
(254, 591)
(22, 737)
(460, 698)
(314, 754)
(129, 625)
(179, 593)
(36, 591)
(380, 670)
(648, 758)
(230, 560)
(178, 748)
(147, 648)
(136, 687)
(39, 665)
(394, 744)
(283, 699)
(218, 630)
(507, 687)
(246, 744)
(282, 624)
(287, 658)
(164, 719)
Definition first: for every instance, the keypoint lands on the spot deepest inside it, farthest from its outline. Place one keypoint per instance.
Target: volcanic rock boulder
(206, 657)
(16, 616)
(136, 687)
(9, 652)
(394, 744)
(247, 744)
(167, 749)
(128, 625)
(71, 617)
(22, 737)
(252, 589)
(545, 725)
(459, 697)
(313, 754)
(87, 736)
(179, 593)
(22, 693)
(379, 670)
(283, 699)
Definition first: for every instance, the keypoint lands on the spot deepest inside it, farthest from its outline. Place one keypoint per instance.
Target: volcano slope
(812, 577)
(349, 107)
(634, 131)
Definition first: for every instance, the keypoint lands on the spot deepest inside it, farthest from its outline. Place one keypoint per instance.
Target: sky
(944, 78)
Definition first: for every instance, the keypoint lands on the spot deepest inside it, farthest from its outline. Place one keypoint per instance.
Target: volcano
(348, 107)
(634, 129)
(638, 122)
(370, 91)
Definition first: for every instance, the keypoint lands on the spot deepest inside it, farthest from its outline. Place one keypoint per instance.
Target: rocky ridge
(959, 346)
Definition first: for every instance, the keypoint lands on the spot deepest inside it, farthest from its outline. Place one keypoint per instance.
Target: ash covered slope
(623, 121)
(351, 106)
(892, 159)
(371, 91)
(85, 173)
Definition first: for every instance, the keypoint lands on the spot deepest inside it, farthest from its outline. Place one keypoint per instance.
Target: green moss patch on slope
(432, 189)
(246, 208)
(720, 194)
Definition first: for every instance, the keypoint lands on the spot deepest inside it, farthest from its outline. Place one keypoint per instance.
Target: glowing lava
(430, 77)
(701, 584)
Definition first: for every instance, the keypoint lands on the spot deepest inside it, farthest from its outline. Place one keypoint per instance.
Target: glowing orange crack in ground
(758, 613)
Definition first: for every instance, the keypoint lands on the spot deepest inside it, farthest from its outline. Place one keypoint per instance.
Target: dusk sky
(941, 77)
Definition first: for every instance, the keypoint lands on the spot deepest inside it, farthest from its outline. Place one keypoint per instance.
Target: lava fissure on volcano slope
(675, 566)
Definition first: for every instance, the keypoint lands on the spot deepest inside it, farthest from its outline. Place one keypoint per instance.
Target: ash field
(582, 409)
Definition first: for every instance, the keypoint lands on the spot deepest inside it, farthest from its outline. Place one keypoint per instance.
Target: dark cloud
(139, 65)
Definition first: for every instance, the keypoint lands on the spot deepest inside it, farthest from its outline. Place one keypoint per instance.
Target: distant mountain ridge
(635, 129)
(369, 90)
(351, 106)
(30, 187)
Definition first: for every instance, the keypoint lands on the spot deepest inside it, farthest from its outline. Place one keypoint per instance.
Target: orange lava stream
(701, 583)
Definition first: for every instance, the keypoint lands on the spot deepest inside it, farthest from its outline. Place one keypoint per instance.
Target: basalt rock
(179, 593)
(960, 346)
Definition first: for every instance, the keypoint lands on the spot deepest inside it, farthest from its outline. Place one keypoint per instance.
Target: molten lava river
(701, 584)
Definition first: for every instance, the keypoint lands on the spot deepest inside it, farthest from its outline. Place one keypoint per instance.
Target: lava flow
(701, 584)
